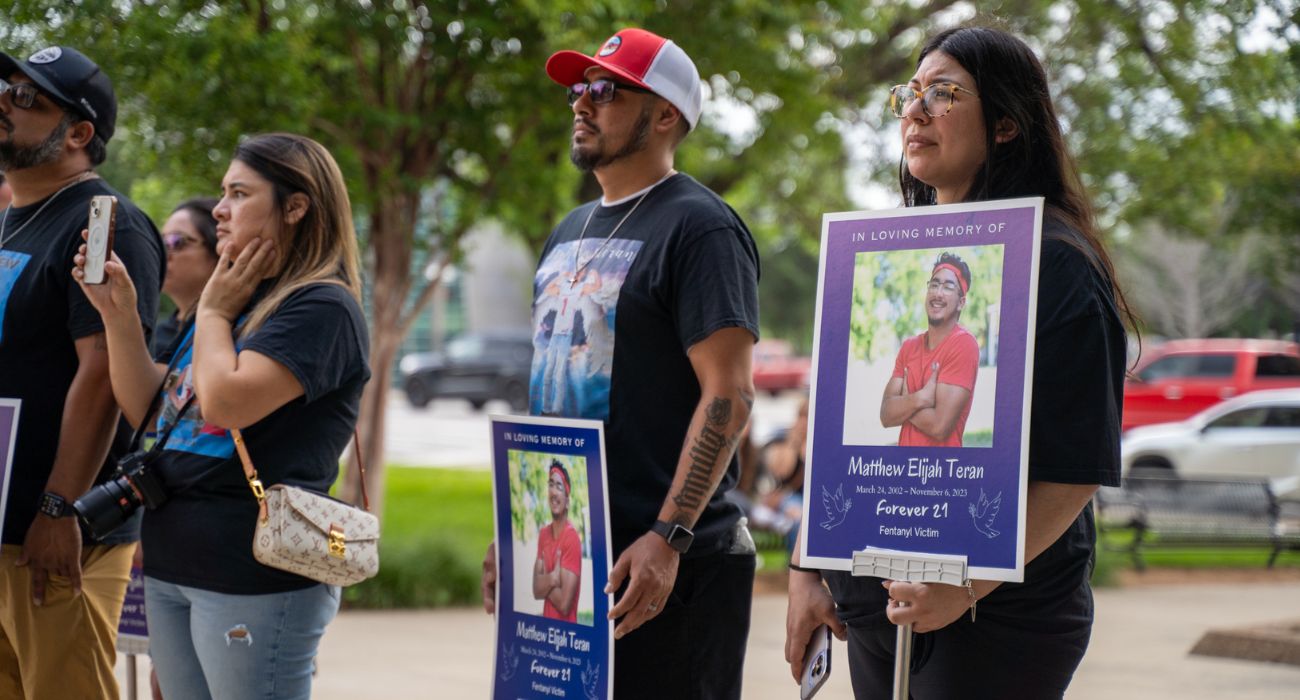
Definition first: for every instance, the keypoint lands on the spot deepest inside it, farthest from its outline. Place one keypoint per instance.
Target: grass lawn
(1111, 553)
(436, 525)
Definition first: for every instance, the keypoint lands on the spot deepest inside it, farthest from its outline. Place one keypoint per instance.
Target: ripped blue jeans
(218, 646)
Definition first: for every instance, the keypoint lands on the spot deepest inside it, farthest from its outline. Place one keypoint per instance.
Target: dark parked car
(477, 367)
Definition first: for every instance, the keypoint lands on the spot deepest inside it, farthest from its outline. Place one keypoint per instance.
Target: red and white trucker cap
(643, 59)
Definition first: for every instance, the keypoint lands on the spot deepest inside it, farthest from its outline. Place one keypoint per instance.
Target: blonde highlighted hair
(321, 248)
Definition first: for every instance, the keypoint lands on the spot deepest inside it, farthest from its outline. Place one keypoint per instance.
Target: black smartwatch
(678, 536)
(54, 505)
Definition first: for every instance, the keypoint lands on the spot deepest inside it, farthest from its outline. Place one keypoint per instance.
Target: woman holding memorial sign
(978, 124)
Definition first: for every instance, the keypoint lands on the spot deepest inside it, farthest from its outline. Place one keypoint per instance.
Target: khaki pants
(67, 647)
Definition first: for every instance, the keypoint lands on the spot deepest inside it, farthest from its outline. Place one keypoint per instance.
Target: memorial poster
(923, 361)
(553, 637)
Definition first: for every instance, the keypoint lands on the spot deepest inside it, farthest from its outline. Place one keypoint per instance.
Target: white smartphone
(816, 663)
(103, 220)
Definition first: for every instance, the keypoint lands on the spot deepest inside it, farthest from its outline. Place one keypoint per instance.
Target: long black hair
(199, 209)
(1036, 163)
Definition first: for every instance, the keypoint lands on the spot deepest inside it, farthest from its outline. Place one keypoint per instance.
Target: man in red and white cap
(645, 314)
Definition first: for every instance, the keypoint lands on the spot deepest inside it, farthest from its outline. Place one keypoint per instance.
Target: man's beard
(15, 157)
(949, 316)
(588, 162)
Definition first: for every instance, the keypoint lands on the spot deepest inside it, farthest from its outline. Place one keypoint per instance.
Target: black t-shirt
(612, 344)
(1080, 352)
(42, 313)
(202, 536)
(164, 338)
(1074, 426)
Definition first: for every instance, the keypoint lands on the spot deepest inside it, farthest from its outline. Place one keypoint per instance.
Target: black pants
(1016, 650)
(695, 648)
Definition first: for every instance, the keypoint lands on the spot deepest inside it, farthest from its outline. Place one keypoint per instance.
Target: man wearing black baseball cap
(63, 592)
(678, 269)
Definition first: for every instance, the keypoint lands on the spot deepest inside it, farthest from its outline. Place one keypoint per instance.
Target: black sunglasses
(22, 94)
(176, 242)
(601, 90)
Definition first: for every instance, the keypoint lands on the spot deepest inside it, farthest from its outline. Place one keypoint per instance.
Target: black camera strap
(167, 433)
(140, 430)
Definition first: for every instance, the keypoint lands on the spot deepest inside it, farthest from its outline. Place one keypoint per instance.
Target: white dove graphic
(837, 507)
(591, 681)
(984, 512)
(509, 662)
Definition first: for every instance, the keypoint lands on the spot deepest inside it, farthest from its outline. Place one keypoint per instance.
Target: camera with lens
(135, 483)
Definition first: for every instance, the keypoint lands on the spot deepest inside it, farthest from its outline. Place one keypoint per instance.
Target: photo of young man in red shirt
(557, 575)
(929, 393)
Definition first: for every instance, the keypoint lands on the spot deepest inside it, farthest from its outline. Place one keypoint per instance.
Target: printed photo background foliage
(529, 511)
(889, 298)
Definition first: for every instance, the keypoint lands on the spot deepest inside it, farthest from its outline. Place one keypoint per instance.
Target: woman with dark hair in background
(978, 124)
(278, 348)
(190, 237)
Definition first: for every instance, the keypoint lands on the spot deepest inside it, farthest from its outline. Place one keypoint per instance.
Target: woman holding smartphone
(277, 348)
(978, 123)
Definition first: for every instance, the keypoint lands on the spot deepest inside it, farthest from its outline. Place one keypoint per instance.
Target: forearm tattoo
(710, 444)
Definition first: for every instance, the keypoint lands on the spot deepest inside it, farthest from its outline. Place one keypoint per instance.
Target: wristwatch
(678, 536)
(54, 505)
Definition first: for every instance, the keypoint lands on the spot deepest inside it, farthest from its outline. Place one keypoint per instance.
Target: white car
(1255, 435)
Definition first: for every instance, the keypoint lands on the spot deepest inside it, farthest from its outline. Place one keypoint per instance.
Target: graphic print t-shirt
(958, 357)
(42, 314)
(612, 321)
(202, 536)
(569, 547)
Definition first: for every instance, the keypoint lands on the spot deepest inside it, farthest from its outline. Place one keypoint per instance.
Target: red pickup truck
(1182, 377)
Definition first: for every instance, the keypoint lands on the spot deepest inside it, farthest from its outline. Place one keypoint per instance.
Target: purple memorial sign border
(1014, 359)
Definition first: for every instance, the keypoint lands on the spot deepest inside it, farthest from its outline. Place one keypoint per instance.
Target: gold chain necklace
(5, 219)
(579, 269)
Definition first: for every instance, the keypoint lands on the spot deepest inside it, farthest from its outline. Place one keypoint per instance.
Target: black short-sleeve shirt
(43, 313)
(1079, 359)
(1080, 350)
(203, 535)
(613, 318)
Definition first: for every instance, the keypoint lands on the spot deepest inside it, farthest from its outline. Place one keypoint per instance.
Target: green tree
(430, 108)
(438, 111)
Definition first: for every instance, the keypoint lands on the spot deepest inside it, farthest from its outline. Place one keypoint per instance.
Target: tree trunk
(392, 233)
(371, 424)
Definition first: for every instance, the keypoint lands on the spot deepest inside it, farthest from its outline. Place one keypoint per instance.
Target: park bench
(1166, 511)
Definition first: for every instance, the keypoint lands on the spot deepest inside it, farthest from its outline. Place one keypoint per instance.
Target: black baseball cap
(72, 80)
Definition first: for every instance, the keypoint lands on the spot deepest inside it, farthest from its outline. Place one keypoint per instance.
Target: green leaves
(441, 115)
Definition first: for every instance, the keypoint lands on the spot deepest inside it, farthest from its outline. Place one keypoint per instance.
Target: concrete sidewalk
(1139, 650)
